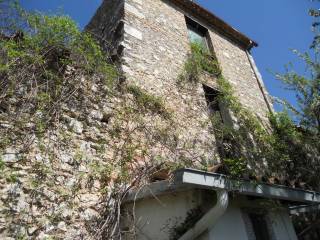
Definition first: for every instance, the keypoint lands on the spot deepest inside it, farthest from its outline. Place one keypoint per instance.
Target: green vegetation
(199, 60)
(148, 101)
(193, 216)
(297, 129)
(43, 68)
(304, 141)
(50, 73)
(252, 147)
(48, 68)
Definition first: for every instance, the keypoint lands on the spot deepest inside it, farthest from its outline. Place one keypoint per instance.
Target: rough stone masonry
(61, 197)
(151, 38)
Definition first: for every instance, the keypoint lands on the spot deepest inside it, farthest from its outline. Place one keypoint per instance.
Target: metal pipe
(260, 82)
(210, 218)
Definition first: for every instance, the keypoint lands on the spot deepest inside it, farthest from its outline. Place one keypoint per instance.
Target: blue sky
(277, 25)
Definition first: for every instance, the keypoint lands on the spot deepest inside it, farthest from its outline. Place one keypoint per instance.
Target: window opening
(197, 33)
(219, 116)
(212, 98)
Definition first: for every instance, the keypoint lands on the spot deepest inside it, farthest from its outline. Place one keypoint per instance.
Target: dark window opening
(212, 98)
(197, 33)
(260, 226)
(219, 117)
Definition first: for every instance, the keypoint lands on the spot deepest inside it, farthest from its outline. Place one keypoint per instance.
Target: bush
(198, 61)
(148, 101)
(46, 64)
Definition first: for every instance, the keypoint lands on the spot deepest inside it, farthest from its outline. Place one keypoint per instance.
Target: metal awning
(305, 208)
(185, 179)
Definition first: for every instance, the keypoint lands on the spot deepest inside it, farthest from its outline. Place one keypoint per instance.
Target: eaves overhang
(217, 23)
(185, 179)
(305, 208)
(202, 179)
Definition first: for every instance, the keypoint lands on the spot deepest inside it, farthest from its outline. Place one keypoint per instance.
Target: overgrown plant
(43, 67)
(49, 71)
(199, 60)
(298, 127)
(237, 148)
(250, 147)
(66, 132)
(57, 95)
(148, 102)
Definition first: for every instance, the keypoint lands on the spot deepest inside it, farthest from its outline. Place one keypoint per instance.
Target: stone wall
(238, 70)
(55, 188)
(154, 59)
(156, 47)
(161, 46)
(107, 25)
(60, 188)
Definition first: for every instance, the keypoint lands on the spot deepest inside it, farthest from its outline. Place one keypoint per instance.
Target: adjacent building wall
(157, 218)
(237, 69)
(231, 226)
(282, 225)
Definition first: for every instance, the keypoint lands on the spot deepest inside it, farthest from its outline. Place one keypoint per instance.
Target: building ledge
(186, 179)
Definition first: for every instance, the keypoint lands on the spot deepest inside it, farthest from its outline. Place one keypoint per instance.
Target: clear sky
(277, 25)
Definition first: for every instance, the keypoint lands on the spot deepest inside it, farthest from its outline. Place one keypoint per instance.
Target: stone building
(102, 170)
(150, 40)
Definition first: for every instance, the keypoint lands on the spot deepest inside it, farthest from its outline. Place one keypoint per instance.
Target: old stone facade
(61, 188)
(153, 47)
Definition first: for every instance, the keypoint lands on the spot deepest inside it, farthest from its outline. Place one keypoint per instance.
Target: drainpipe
(210, 218)
(260, 82)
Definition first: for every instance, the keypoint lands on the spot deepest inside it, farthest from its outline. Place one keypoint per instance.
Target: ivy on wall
(56, 83)
(69, 132)
(252, 147)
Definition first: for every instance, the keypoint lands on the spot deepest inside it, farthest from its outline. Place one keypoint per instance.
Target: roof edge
(186, 179)
(220, 25)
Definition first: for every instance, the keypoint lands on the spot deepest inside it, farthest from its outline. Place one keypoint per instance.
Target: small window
(213, 102)
(197, 33)
(260, 226)
(220, 117)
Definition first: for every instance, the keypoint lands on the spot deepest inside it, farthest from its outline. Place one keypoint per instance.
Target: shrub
(46, 64)
(148, 101)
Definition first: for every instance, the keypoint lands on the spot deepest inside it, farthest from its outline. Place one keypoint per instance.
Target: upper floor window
(212, 98)
(197, 33)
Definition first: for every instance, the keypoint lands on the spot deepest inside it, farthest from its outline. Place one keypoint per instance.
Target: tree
(299, 134)
(306, 87)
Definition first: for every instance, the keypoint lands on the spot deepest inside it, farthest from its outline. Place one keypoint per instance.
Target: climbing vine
(149, 102)
(199, 60)
(74, 140)
(249, 146)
